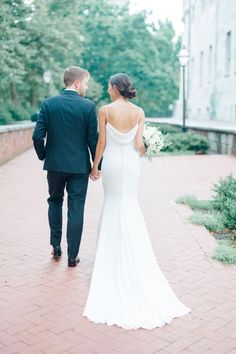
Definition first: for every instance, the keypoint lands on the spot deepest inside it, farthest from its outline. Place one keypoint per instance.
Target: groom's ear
(77, 83)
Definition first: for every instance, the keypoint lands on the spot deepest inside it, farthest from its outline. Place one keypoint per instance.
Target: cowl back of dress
(121, 138)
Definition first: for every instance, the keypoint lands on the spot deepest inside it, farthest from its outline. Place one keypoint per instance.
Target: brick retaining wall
(15, 139)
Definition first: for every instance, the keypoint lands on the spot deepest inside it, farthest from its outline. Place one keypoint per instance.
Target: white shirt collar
(70, 89)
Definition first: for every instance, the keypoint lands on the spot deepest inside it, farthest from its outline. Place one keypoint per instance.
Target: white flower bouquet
(153, 140)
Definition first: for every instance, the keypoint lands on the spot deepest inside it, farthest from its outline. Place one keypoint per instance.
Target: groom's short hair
(74, 73)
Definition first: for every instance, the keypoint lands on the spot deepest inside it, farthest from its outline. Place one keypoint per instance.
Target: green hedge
(168, 129)
(187, 142)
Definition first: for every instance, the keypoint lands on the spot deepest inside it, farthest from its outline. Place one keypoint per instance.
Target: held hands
(95, 174)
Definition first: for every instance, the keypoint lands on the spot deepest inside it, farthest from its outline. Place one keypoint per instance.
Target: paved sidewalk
(41, 300)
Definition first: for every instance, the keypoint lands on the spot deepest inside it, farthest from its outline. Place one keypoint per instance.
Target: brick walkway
(41, 300)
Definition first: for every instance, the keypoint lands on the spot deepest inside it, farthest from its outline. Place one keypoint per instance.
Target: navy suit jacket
(69, 124)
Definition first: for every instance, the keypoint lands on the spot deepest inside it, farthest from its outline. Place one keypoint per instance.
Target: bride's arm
(139, 145)
(101, 143)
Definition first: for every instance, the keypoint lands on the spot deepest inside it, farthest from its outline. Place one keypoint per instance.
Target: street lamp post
(47, 76)
(183, 59)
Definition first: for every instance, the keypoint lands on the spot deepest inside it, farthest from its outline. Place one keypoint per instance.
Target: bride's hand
(94, 174)
(142, 151)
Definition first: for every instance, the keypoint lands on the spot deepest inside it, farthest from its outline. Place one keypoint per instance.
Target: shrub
(211, 221)
(225, 200)
(198, 143)
(187, 142)
(225, 252)
(168, 129)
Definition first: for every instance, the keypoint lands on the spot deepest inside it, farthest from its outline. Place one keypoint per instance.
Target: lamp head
(47, 77)
(183, 56)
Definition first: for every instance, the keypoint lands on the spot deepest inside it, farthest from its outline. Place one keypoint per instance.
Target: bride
(127, 287)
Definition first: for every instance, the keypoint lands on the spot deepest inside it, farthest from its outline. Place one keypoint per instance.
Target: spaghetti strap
(107, 114)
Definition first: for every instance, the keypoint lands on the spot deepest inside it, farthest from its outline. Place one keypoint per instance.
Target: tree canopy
(99, 35)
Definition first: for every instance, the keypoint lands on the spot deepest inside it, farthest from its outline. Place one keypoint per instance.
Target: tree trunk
(13, 92)
(32, 97)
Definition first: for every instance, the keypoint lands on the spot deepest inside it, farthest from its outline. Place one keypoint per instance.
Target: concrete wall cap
(15, 127)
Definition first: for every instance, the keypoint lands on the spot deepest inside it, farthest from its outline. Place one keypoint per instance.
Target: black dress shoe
(73, 262)
(57, 251)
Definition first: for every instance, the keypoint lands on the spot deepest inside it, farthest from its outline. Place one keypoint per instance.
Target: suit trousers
(76, 187)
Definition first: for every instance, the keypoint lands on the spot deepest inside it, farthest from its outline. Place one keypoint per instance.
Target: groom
(69, 123)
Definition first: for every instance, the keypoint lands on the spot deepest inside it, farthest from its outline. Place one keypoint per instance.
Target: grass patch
(218, 216)
(194, 203)
(225, 252)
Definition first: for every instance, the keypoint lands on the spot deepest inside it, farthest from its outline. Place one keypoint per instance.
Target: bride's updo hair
(124, 84)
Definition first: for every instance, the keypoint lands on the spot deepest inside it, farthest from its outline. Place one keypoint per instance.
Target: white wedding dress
(127, 287)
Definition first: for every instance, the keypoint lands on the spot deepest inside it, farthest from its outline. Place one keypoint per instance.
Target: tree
(96, 34)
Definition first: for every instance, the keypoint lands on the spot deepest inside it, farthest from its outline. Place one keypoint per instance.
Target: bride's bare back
(123, 115)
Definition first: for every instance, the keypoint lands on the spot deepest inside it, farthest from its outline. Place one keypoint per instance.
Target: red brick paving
(41, 300)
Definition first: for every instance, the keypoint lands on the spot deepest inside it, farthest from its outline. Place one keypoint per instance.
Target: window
(228, 53)
(208, 112)
(210, 62)
(199, 112)
(201, 68)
